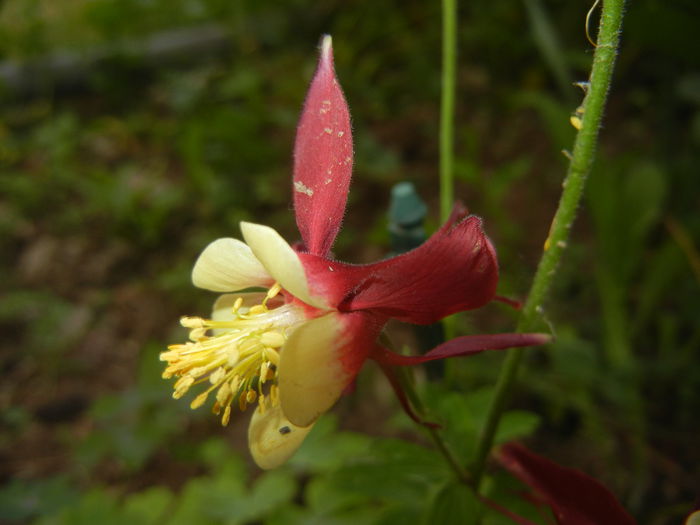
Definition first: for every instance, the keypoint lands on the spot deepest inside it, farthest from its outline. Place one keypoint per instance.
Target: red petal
(322, 158)
(455, 270)
(460, 347)
(575, 498)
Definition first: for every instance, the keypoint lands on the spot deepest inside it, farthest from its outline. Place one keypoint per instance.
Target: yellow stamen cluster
(237, 360)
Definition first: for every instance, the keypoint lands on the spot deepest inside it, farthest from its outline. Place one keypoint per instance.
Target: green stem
(408, 388)
(579, 167)
(447, 104)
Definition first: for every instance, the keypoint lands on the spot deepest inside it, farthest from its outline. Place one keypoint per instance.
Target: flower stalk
(447, 106)
(579, 167)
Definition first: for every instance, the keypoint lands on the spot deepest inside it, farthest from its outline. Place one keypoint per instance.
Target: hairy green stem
(447, 105)
(579, 167)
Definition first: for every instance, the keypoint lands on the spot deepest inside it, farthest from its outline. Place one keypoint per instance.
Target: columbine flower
(294, 348)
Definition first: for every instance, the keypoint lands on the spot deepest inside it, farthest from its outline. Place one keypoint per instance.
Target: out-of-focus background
(134, 132)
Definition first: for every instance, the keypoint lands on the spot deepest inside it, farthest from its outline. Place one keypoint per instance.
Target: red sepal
(575, 498)
(454, 270)
(460, 347)
(322, 158)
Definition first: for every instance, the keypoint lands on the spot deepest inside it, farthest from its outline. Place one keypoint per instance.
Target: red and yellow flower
(293, 349)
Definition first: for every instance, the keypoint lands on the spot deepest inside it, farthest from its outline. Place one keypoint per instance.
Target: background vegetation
(133, 132)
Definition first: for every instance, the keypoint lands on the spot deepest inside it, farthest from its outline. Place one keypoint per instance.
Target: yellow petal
(227, 265)
(280, 260)
(272, 438)
(311, 375)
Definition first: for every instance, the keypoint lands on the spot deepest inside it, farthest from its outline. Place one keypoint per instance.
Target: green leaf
(393, 471)
(516, 424)
(326, 449)
(148, 507)
(271, 490)
(454, 504)
(21, 500)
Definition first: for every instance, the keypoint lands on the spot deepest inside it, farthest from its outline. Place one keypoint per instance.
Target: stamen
(199, 400)
(223, 394)
(240, 361)
(272, 292)
(264, 368)
(217, 376)
(237, 305)
(192, 322)
(251, 396)
(272, 339)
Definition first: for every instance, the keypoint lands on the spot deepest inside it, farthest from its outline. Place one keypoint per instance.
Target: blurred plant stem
(447, 105)
(405, 378)
(545, 36)
(447, 119)
(580, 164)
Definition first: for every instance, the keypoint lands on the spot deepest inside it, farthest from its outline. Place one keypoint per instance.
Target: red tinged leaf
(322, 158)
(575, 498)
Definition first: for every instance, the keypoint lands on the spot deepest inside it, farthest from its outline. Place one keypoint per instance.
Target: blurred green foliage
(110, 185)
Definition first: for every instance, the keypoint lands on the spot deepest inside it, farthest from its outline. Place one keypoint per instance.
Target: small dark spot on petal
(285, 430)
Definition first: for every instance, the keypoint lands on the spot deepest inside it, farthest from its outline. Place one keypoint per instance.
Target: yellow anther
(242, 403)
(257, 309)
(261, 403)
(227, 415)
(232, 356)
(264, 367)
(250, 396)
(192, 322)
(198, 334)
(272, 292)
(182, 385)
(237, 304)
(198, 371)
(199, 400)
(223, 395)
(217, 376)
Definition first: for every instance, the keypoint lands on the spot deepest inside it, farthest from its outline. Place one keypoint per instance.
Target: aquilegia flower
(294, 348)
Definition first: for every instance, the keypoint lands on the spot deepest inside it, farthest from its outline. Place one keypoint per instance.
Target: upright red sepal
(322, 158)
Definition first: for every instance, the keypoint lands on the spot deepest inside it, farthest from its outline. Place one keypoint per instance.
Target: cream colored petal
(311, 375)
(280, 260)
(272, 438)
(227, 265)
